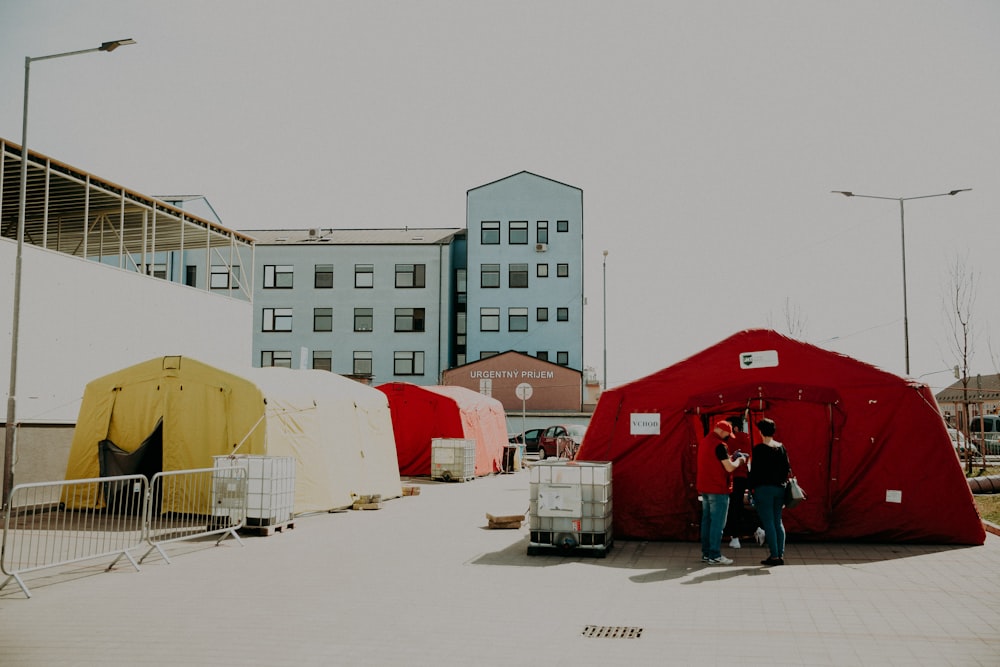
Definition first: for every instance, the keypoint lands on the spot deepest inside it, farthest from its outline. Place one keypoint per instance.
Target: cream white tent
(176, 413)
(339, 430)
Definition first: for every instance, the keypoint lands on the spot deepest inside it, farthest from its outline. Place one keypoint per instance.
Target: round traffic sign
(523, 391)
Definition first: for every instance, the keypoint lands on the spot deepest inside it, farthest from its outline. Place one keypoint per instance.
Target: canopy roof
(78, 213)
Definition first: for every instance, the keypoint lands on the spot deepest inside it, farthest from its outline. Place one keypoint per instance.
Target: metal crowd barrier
(59, 523)
(190, 504)
(48, 524)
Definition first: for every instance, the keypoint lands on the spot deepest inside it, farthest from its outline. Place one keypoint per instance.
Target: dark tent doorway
(146, 460)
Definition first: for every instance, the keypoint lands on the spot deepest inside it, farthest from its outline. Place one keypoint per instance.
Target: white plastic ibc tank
(270, 486)
(453, 459)
(570, 505)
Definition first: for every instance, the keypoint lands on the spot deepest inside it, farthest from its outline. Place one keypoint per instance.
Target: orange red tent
(422, 413)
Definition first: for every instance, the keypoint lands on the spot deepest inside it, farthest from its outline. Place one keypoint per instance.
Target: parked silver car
(985, 433)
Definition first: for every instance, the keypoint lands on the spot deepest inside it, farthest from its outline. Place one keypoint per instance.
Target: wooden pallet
(372, 502)
(269, 530)
(510, 521)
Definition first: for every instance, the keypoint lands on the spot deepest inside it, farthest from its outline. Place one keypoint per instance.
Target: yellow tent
(338, 431)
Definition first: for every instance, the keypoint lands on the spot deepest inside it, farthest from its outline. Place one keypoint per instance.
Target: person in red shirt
(714, 484)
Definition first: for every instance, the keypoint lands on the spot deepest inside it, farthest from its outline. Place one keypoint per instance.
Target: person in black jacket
(768, 476)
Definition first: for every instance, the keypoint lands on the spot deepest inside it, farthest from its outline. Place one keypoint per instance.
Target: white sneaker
(759, 536)
(721, 560)
(734, 543)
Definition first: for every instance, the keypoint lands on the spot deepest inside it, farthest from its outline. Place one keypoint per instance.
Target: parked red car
(561, 441)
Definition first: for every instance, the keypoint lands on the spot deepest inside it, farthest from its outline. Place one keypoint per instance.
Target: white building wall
(527, 197)
(81, 320)
(383, 298)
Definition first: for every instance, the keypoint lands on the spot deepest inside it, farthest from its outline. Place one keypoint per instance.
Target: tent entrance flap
(146, 459)
(808, 429)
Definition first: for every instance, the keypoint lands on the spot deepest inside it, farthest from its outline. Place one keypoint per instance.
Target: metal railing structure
(58, 523)
(189, 504)
(49, 524)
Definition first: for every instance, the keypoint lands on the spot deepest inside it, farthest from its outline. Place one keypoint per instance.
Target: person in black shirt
(768, 476)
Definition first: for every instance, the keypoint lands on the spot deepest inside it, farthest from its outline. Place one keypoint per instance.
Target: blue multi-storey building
(407, 304)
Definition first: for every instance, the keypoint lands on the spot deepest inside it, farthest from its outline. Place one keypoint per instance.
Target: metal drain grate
(612, 632)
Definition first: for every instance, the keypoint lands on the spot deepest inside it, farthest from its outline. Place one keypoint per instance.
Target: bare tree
(959, 305)
(795, 321)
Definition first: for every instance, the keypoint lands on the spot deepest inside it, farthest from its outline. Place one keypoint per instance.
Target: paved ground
(422, 581)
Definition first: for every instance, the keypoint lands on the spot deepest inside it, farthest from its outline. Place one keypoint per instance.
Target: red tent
(869, 448)
(420, 414)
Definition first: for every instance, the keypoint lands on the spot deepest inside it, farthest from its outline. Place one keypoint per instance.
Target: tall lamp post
(902, 235)
(11, 418)
(605, 383)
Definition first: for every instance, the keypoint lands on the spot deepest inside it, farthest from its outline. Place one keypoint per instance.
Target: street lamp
(11, 419)
(902, 235)
(605, 383)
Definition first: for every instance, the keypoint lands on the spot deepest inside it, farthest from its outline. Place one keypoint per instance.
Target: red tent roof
(870, 448)
(422, 413)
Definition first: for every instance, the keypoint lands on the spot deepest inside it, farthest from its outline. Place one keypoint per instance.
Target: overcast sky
(706, 137)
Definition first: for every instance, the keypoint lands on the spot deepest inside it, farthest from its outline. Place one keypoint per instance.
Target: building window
(490, 233)
(191, 276)
(409, 319)
(517, 275)
(410, 275)
(562, 270)
(363, 364)
(277, 319)
(156, 270)
(542, 355)
(562, 225)
(562, 314)
(460, 324)
(460, 281)
(277, 358)
(542, 314)
(489, 319)
(364, 319)
(364, 275)
(489, 275)
(220, 277)
(517, 319)
(322, 319)
(486, 354)
(542, 232)
(542, 270)
(518, 232)
(323, 277)
(278, 276)
(323, 360)
(408, 363)
(562, 358)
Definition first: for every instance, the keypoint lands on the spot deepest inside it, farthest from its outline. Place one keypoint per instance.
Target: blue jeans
(714, 508)
(769, 500)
